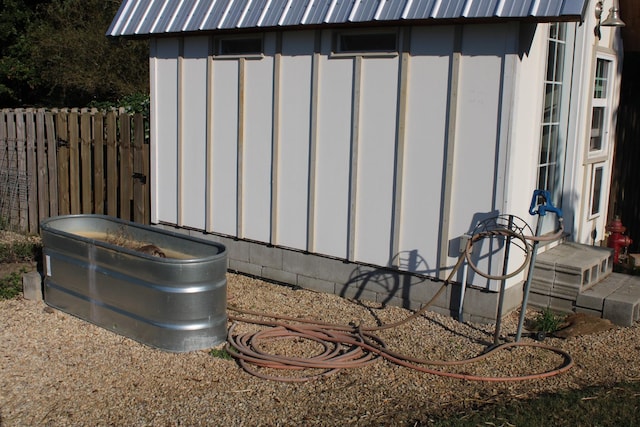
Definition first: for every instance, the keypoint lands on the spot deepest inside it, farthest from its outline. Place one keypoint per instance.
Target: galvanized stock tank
(101, 269)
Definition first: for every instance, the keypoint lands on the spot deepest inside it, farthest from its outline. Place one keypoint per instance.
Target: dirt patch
(579, 324)
(15, 267)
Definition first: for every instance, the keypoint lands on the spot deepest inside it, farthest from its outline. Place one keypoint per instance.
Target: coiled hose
(349, 346)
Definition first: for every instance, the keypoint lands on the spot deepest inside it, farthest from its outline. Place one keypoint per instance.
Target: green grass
(546, 321)
(220, 353)
(617, 405)
(11, 285)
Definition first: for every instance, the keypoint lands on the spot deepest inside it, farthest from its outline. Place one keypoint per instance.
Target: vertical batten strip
(240, 155)
(153, 129)
(447, 187)
(313, 146)
(355, 139)
(180, 142)
(275, 139)
(403, 76)
(209, 162)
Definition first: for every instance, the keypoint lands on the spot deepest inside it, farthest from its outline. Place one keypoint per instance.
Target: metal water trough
(176, 303)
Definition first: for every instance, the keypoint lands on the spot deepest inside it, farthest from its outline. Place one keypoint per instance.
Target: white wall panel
(333, 162)
(474, 191)
(164, 96)
(258, 108)
(426, 126)
(224, 152)
(295, 111)
(193, 132)
(376, 162)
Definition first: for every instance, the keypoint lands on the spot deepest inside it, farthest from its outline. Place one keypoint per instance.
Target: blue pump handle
(547, 206)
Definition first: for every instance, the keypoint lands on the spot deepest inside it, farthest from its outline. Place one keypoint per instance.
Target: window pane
(602, 72)
(551, 59)
(553, 31)
(555, 115)
(597, 190)
(597, 123)
(542, 178)
(551, 146)
(559, 64)
(248, 46)
(548, 103)
(544, 145)
(374, 42)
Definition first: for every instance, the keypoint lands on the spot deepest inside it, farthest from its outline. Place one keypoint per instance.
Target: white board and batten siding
(339, 155)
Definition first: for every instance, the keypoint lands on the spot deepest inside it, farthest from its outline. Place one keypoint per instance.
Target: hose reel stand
(512, 230)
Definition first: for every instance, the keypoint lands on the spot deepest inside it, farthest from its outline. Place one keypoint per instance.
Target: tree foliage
(56, 54)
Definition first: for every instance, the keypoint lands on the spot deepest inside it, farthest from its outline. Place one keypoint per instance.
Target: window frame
(595, 167)
(555, 116)
(603, 103)
(218, 49)
(337, 36)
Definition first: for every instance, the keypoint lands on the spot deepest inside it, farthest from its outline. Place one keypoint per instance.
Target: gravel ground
(58, 370)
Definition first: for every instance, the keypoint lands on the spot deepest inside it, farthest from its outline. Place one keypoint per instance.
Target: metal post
(503, 283)
(527, 285)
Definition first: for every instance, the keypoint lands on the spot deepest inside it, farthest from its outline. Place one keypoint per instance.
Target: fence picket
(139, 172)
(63, 162)
(126, 166)
(4, 168)
(98, 162)
(32, 173)
(23, 178)
(74, 162)
(41, 167)
(112, 165)
(52, 162)
(86, 185)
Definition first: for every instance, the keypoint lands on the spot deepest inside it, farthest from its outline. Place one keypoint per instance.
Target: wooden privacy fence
(71, 161)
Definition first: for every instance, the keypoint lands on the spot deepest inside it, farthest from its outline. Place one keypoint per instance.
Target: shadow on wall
(387, 284)
(413, 281)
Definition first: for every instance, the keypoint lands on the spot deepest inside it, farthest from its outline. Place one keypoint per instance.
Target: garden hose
(349, 346)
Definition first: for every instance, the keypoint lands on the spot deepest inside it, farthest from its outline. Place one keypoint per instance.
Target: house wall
(379, 162)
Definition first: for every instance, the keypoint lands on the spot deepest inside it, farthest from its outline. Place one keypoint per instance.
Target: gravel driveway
(58, 370)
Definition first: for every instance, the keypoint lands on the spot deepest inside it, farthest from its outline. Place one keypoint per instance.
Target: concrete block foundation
(358, 281)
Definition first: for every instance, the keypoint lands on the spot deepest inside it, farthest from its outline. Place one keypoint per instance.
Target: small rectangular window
(366, 42)
(240, 46)
(597, 129)
(596, 192)
(602, 74)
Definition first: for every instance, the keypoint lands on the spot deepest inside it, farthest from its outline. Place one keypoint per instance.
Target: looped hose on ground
(348, 346)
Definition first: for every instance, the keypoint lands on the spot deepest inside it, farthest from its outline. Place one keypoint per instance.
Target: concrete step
(579, 278)
(571, 268)
(616, 298)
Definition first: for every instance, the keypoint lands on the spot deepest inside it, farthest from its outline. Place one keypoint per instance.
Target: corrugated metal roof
(146, 17)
